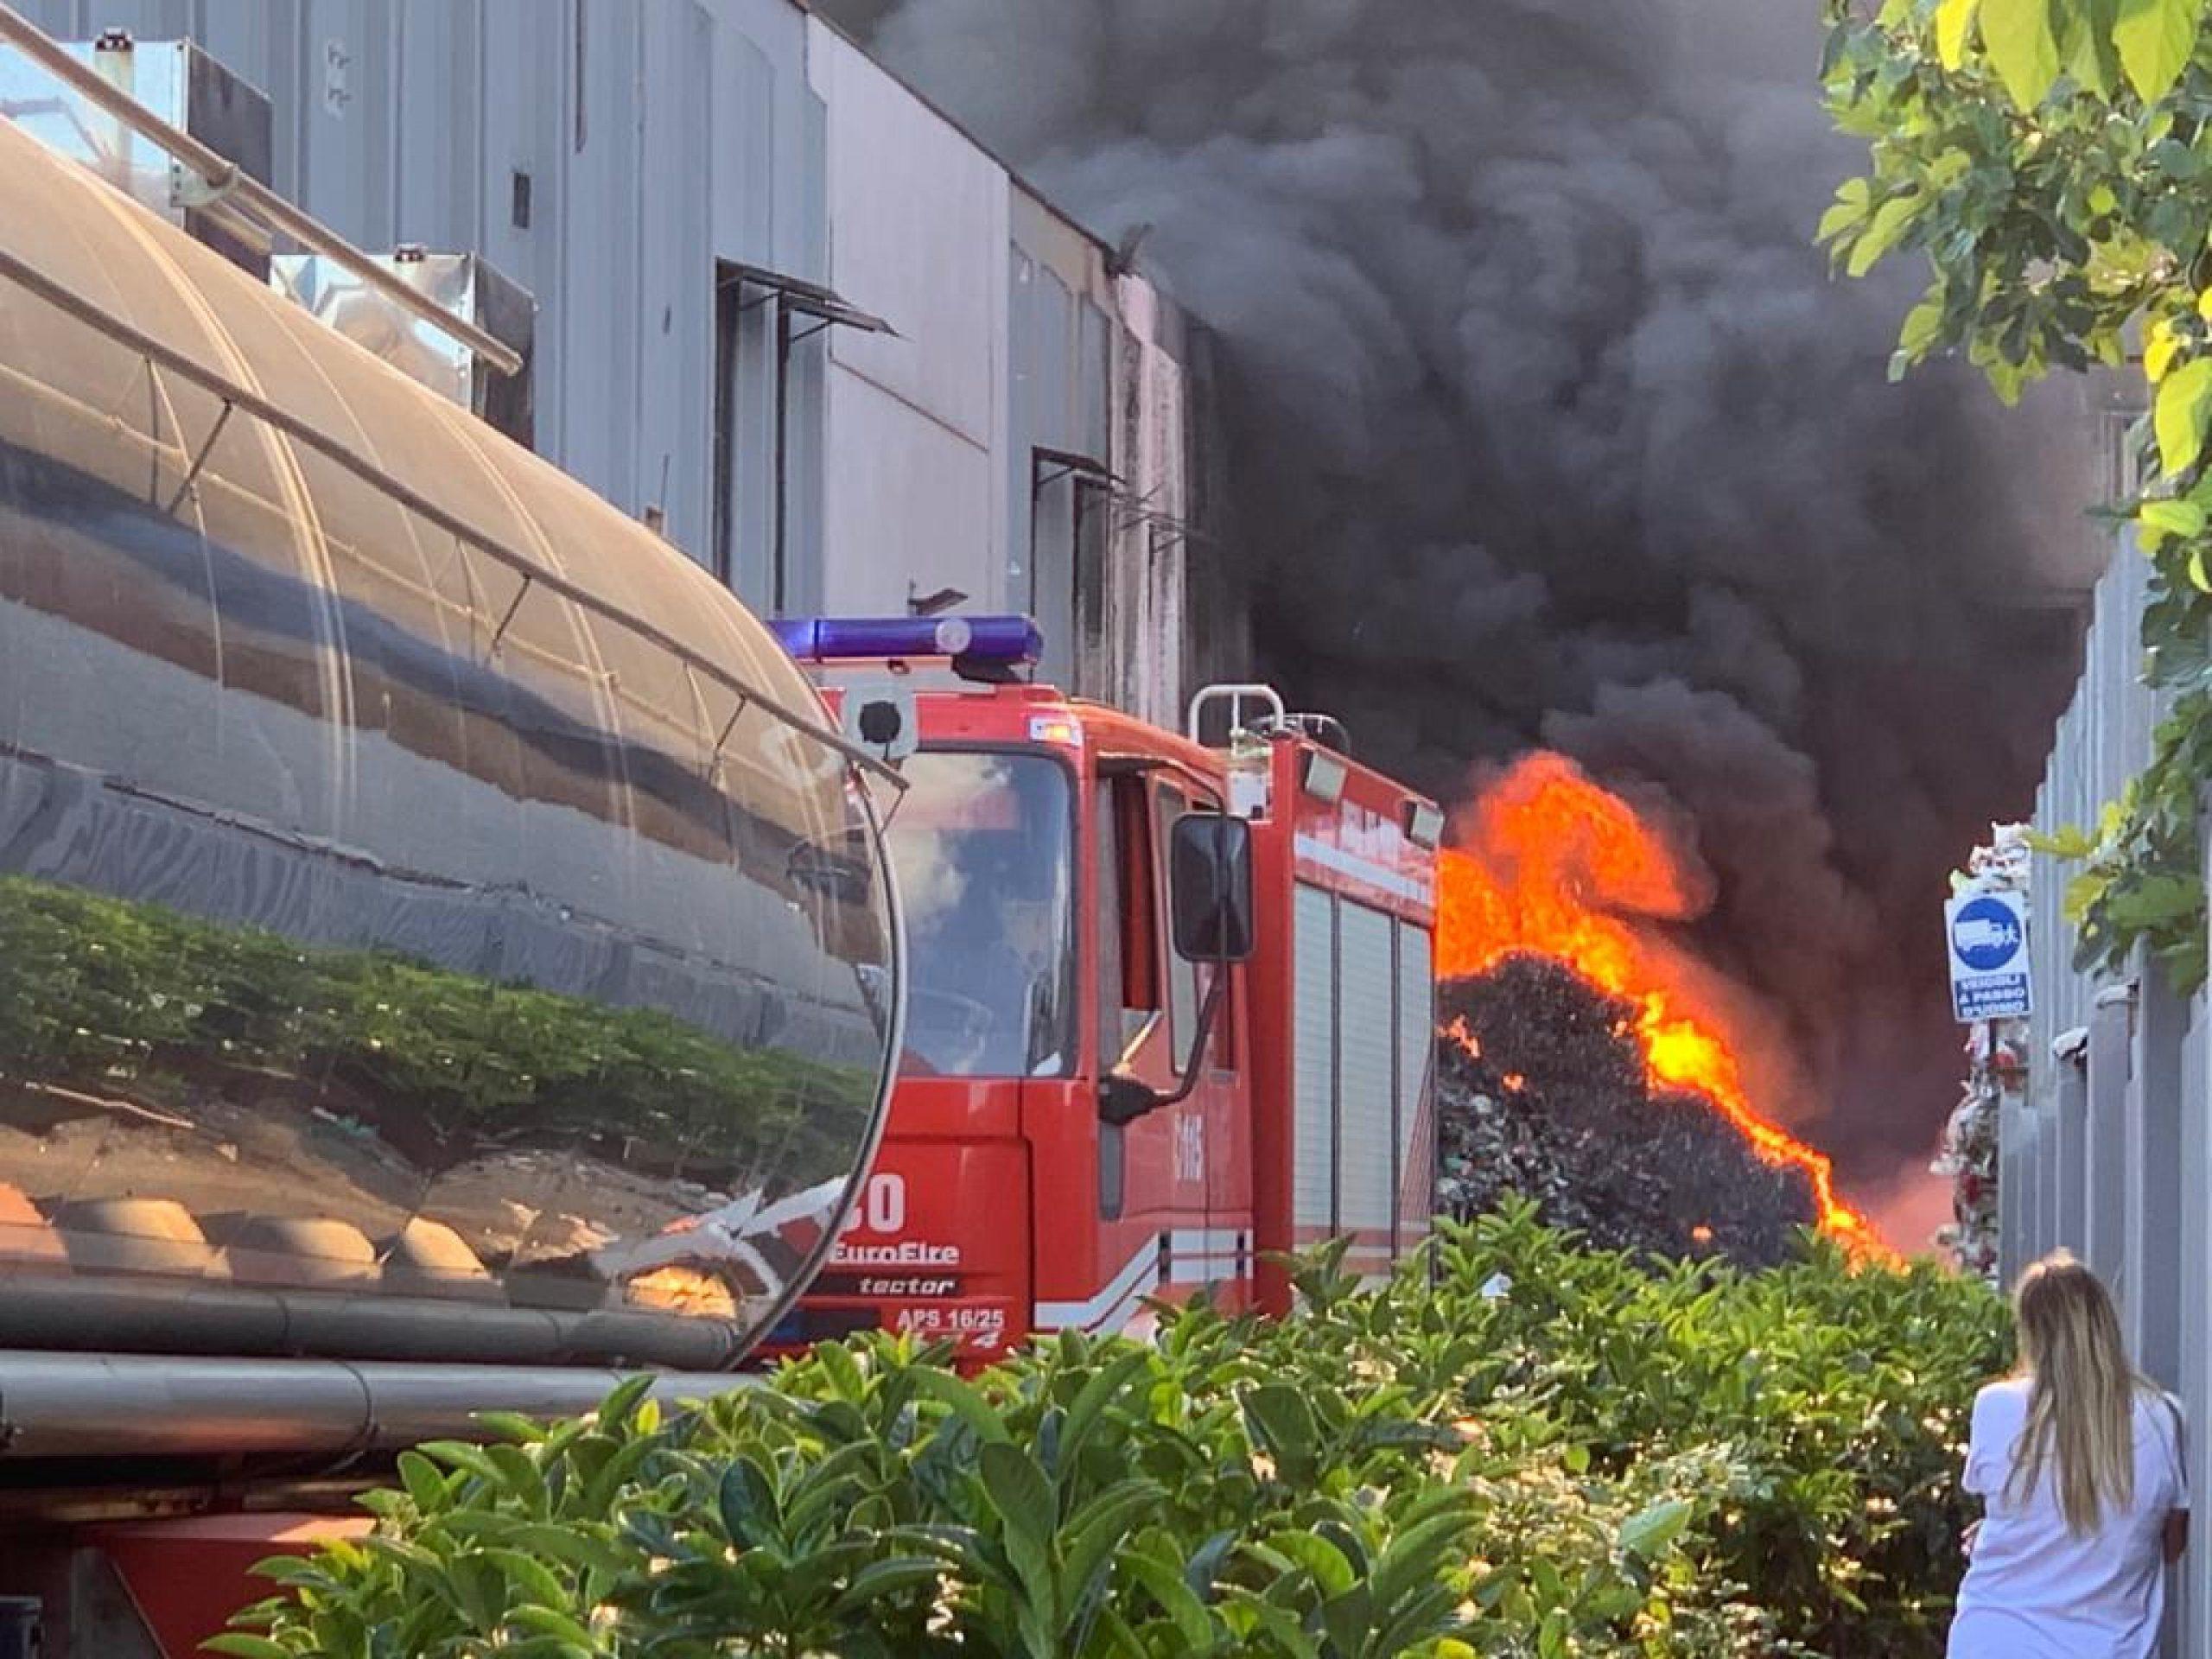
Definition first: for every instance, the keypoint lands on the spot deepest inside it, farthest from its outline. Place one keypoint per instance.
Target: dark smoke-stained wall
(1545, 424)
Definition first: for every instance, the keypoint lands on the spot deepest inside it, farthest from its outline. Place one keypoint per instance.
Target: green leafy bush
(1599, 1457)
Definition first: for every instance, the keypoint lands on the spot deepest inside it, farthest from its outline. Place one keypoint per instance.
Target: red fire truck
(1170, 1008)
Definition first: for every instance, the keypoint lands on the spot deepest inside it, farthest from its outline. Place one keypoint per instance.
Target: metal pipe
(135, 1405)
(35, 281)
(242, 190)
(139, 1314)
(1234, 695)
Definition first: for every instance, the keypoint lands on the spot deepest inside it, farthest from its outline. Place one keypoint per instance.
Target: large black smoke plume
(1548, 425)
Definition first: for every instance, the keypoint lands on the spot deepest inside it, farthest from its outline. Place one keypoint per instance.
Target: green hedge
(131, 997)
(1603, 1459)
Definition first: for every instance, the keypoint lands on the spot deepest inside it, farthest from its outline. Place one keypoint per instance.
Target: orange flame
(1552, 865)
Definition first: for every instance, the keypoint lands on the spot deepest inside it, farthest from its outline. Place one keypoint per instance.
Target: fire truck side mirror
(1209, 888)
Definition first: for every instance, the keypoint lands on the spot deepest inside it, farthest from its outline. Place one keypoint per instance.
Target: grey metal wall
(649, 140)
(614, 156)
(2109, 1157)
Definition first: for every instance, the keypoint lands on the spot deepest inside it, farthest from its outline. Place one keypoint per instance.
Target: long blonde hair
(2081, 1397)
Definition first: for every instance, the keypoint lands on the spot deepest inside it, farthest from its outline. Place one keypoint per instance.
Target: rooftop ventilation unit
(175, 129)
(177, 83)
(462, 285)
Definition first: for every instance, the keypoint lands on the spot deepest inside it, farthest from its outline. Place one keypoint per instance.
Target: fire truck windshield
(982, 844)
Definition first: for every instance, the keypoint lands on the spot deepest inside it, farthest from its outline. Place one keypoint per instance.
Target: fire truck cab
(1171, 1002)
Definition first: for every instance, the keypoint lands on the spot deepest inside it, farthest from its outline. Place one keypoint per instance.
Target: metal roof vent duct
(183, 85)
(465, 285)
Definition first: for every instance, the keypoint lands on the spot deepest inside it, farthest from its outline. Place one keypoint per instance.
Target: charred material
(1542, 1091)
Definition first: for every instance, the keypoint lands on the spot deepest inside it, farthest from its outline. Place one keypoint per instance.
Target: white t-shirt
(2035, 1590)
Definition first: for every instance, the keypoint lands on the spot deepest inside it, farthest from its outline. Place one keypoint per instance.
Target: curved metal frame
(36, 282)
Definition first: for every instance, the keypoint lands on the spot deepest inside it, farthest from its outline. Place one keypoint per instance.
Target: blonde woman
(2080, 1462)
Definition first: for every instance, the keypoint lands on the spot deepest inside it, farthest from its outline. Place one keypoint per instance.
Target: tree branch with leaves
(2052, 162)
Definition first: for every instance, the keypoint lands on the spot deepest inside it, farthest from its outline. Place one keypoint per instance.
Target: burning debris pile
(1543, 1089)
(1562, 894)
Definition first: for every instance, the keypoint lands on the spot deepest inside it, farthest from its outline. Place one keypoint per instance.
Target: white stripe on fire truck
(1144, 1271)
(1205, 1245)
(1381, 875)
(1139, 1275)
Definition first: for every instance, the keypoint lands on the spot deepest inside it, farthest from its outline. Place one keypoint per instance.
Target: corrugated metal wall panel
(2119, 1148)
(349, 119)
(1368, 1036)
(921, 236)
(593, 311)
(1416, 1124)
(1044, 349)
(914, 417)
(1313, 1061)
(437, 88)
(674, 398)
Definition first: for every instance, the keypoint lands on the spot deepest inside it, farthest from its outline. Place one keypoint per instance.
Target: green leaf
(1348, 1617)
(1923, 326)
(966, 1404)
(1030, 1516)
(1954, 21)
(1282, 1423)
(747, 1500)
(1100, 1527)
(1332, 1571)
(2017, 36)
(1102, 1388)
(461, 1455)
(550, 1621)
(1649, 1533)
(577, 1547)
(2160, 347)
(2181, 415)
(880, 1580)
(2069, 842)
(1194, 1626)
(532, 1578)
(1854, 199)
(425, 1483)
(2150, 902)
(519, 1475)
(240, 1645)
(2086, 43)
(513, 1426)
(1890, 221)
(2156, 38)
(2163, 519)
(622, 1399)
(1020, 1492)
(1418, 1555)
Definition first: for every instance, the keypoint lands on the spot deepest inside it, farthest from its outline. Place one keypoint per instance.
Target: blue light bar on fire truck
(999, 641)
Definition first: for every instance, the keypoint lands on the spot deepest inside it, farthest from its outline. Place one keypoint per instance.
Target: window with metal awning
(761, 318)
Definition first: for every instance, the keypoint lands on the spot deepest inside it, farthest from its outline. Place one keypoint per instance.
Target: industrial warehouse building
(784, 310)
(2108, 1150)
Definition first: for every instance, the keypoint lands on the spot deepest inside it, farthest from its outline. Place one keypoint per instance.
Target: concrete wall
(619, 158)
